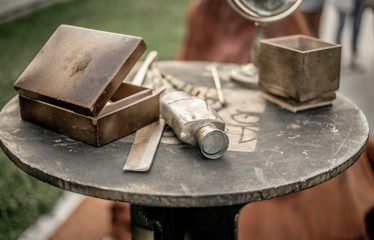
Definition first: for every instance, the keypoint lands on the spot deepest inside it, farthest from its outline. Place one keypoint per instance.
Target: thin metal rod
(142, 72)
(217, 83)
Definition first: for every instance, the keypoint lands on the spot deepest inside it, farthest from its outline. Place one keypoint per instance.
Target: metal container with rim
(299, 68)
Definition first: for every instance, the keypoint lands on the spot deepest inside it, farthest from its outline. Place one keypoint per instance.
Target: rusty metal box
(299, 67)
(74, 86)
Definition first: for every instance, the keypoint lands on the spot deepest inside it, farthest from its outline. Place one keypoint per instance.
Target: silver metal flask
(195, 123)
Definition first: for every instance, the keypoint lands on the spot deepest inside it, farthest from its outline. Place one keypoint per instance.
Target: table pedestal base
(186, 223)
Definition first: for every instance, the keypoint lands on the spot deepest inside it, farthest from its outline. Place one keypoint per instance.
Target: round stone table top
(272, 152)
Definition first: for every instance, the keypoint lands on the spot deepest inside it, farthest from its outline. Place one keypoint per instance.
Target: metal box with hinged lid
(74, 86)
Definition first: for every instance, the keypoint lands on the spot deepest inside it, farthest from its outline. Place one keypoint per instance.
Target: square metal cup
(299, 67)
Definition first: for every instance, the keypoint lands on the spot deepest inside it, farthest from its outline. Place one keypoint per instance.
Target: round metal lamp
(261, 12)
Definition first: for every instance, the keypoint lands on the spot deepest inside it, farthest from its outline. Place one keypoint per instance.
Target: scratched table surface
(272, 151)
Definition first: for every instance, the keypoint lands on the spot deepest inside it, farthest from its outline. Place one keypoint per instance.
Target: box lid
(80, 68)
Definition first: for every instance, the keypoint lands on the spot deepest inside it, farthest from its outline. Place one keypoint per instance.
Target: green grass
(160, 23)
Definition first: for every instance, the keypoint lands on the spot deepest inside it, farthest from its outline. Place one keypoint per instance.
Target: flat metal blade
(144, 147)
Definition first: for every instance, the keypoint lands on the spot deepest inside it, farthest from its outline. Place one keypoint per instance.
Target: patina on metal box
(74, 86)
(299, 67)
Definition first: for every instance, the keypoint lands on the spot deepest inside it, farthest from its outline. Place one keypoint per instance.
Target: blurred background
(25, 25)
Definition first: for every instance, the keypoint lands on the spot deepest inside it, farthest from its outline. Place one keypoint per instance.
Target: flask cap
(213, 142)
